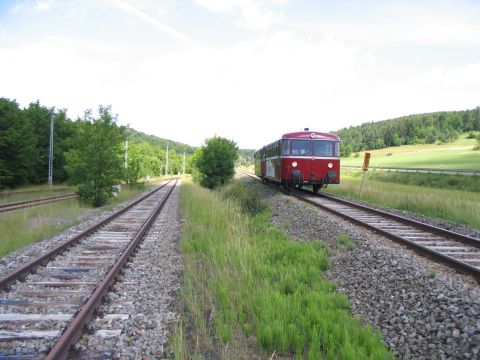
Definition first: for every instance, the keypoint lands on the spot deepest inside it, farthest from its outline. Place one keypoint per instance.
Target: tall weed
(245, 276)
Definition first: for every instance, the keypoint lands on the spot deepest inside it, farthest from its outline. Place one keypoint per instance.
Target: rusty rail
(28, 267)
(34, 202)
(75, 329)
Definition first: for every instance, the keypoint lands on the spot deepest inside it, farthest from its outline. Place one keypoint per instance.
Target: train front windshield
(325, 148)
(320, 148)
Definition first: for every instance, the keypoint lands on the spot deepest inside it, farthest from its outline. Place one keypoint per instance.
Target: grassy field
(250, 291)
(405, 192)
(456, 155)
(26, 226)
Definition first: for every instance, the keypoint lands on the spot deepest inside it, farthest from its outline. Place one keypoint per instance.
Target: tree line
(428, 128)
(87, 146)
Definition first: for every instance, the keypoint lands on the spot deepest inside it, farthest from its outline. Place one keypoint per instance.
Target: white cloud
(249, 14)
(136, 13)
(44, 5)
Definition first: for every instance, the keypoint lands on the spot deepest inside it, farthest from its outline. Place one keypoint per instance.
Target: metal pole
(126, 161)
(50, 152)
(166, 164)
(184, 163)
(361, 186)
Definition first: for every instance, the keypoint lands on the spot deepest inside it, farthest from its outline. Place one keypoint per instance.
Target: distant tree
(17, 145)
(216, 162)
(345, 150)
(477, 147)
(96, 161)
(39, 117)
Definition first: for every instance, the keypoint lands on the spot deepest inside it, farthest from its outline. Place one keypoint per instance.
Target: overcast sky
(248, 70)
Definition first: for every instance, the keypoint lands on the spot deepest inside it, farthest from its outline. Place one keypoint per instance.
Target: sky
(247, 70)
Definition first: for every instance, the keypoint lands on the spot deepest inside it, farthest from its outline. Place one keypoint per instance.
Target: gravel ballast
(423, 309)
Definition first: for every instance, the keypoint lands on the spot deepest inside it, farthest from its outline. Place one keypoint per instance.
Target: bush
(215, 162)
(249, 201)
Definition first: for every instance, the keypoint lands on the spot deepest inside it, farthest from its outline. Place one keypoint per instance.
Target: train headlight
(294, 164)
(330, 165)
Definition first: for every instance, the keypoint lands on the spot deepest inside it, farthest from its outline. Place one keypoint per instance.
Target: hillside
(135, 136)
(457, 154)
(430, 128)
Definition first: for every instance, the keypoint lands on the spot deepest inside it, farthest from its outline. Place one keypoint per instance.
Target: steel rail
(35, 202)
(424, 250)
(13, 193)
(75, 329)
(31, 265)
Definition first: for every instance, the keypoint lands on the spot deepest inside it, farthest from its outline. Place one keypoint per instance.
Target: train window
(325, 148)
(301, 147)
(285, 147)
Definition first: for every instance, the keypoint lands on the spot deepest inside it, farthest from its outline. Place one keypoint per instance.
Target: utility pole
(50, 152)
(183, 162)
(166, 164)
(126, 161)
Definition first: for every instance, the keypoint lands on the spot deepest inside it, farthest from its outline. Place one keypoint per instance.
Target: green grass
(456, 155)
(447, 203)
(29, 225)
(22, 227)
(346, 241)
(244, 277)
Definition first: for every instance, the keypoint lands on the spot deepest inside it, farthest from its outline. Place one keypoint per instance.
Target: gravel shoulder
(423, 309)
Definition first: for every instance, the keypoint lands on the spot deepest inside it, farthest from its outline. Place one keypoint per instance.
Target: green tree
(345, 150)
(96, 161)
(216, 162)
(17, 145)
(39, 118)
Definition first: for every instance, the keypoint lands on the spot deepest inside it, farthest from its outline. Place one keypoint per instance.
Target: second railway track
(35, 202)
(456, 250)
(42, 316)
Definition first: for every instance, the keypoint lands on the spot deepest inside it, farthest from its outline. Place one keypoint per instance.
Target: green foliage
(471, 135)
(413, 129)
(257, 280)
(250, 202)
(345, 149)
(144, 160)
(17, 145)
(63, 130)
(245, 157)
(345, 239)
(96, 161)
(216, 162)
(477, 147)
(137, 137)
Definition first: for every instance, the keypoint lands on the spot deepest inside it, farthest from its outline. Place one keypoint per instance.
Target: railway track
(15, 193)
(45, 313)
(35, 202)
(456, 250)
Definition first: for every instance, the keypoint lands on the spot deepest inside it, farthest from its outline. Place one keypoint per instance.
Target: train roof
(311, 135)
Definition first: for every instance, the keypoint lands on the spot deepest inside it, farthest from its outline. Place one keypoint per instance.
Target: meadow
(250, 291)
(455, 155)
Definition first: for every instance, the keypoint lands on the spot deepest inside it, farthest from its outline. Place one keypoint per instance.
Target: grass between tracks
(249, 290)
(419, 193)
(22, 227)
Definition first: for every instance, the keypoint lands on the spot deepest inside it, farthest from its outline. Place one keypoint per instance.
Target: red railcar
(301, 158)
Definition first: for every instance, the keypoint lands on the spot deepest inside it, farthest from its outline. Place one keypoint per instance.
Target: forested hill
(135, 137)
(412, 129)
